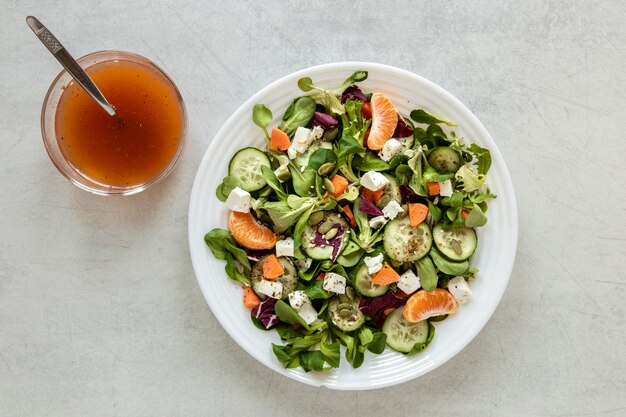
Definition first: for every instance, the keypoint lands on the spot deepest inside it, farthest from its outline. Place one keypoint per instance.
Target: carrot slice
(340, 183)
(465, 213)
(279, 140)
(388, 311)
(320, 276)
(417, 213)
(385, 276)
(250, 299)
(372, 195)
(433, 188)
(348, 212)
(272, 268)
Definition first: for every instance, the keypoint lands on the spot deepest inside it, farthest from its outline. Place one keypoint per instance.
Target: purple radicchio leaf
(403, 130)
(335, 242)
(370, 208)
(265, 312)
(409, 196)
(353, 93)
(324, 120)
(375, 307)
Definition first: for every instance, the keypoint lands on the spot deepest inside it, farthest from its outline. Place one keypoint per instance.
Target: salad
(354, 226)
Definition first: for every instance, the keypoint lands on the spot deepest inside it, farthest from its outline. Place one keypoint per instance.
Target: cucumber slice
(402, 335)
(363, 284)
(289, 279)
(246, 167)
(456, 244)
(444, 159)
(343, 311)
(405, 243)
(325, 249)
(446, 266)
(392, 192)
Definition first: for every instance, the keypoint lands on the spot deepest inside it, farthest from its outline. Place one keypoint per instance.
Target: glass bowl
(50, 125)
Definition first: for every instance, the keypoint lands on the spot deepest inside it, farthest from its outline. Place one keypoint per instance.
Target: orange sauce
(126, 153)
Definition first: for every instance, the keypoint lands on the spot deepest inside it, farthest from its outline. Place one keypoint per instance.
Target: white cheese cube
(272, 289)
(297, 299)
(392, 209)
(334, 283)
(317, 133)
(391, 148)
(293, 154)
(459, 289)
(238, 200)
(409, 282)
(284, 247)
(374, 263)
(303, 264)
(301, 140)
(308, 313)
(445, 188)
(377, 222)
(373, 180)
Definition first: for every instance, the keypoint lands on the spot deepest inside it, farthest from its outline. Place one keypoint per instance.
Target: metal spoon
(69, 63)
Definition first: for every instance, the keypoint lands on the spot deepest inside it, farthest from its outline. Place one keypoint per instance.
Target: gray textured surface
(100, 313)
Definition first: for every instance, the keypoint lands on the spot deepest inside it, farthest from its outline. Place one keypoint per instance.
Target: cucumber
(343, 311)
(446, 266)
(405, 243)
(289, 279)
(363, 284)
(456, 244)
(402, 335)
(392, 192)
(444, 159)
(323, 251)
(246, 167)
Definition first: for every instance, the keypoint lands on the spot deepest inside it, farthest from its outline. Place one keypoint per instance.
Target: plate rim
(369, 66)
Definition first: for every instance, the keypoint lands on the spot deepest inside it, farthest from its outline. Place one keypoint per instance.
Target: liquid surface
(122, 153)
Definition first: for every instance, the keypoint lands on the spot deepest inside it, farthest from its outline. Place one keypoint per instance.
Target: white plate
(494, 257)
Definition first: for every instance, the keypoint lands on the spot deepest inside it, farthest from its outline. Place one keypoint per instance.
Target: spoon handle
(68, 62)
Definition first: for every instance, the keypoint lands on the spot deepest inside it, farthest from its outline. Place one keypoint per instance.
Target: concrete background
(100, 313)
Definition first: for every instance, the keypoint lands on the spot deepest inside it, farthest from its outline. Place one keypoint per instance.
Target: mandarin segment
(384, 121)
(249, 233)
(424, 304)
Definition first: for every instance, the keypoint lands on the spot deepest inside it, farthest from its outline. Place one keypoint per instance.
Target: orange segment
(385, 276)
(249, 233)
(384, 121)
(424, 304)
(272, 268)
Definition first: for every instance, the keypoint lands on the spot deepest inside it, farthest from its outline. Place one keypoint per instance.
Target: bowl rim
(349, 66)
(110, 190)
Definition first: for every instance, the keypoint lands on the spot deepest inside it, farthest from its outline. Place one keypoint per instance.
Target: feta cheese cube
(334, 283)
(301, 141)
(303, 264)
(374, 263)
(272, 289)
(445, 188)
(409, 282)
(460, 290)
(317, 133)
(238, 200)
(298, 298)
(392, 209)
(373, 180)
(377, 222)
(293, 154)
(308, 312)
(391, 148)
(284, 247)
